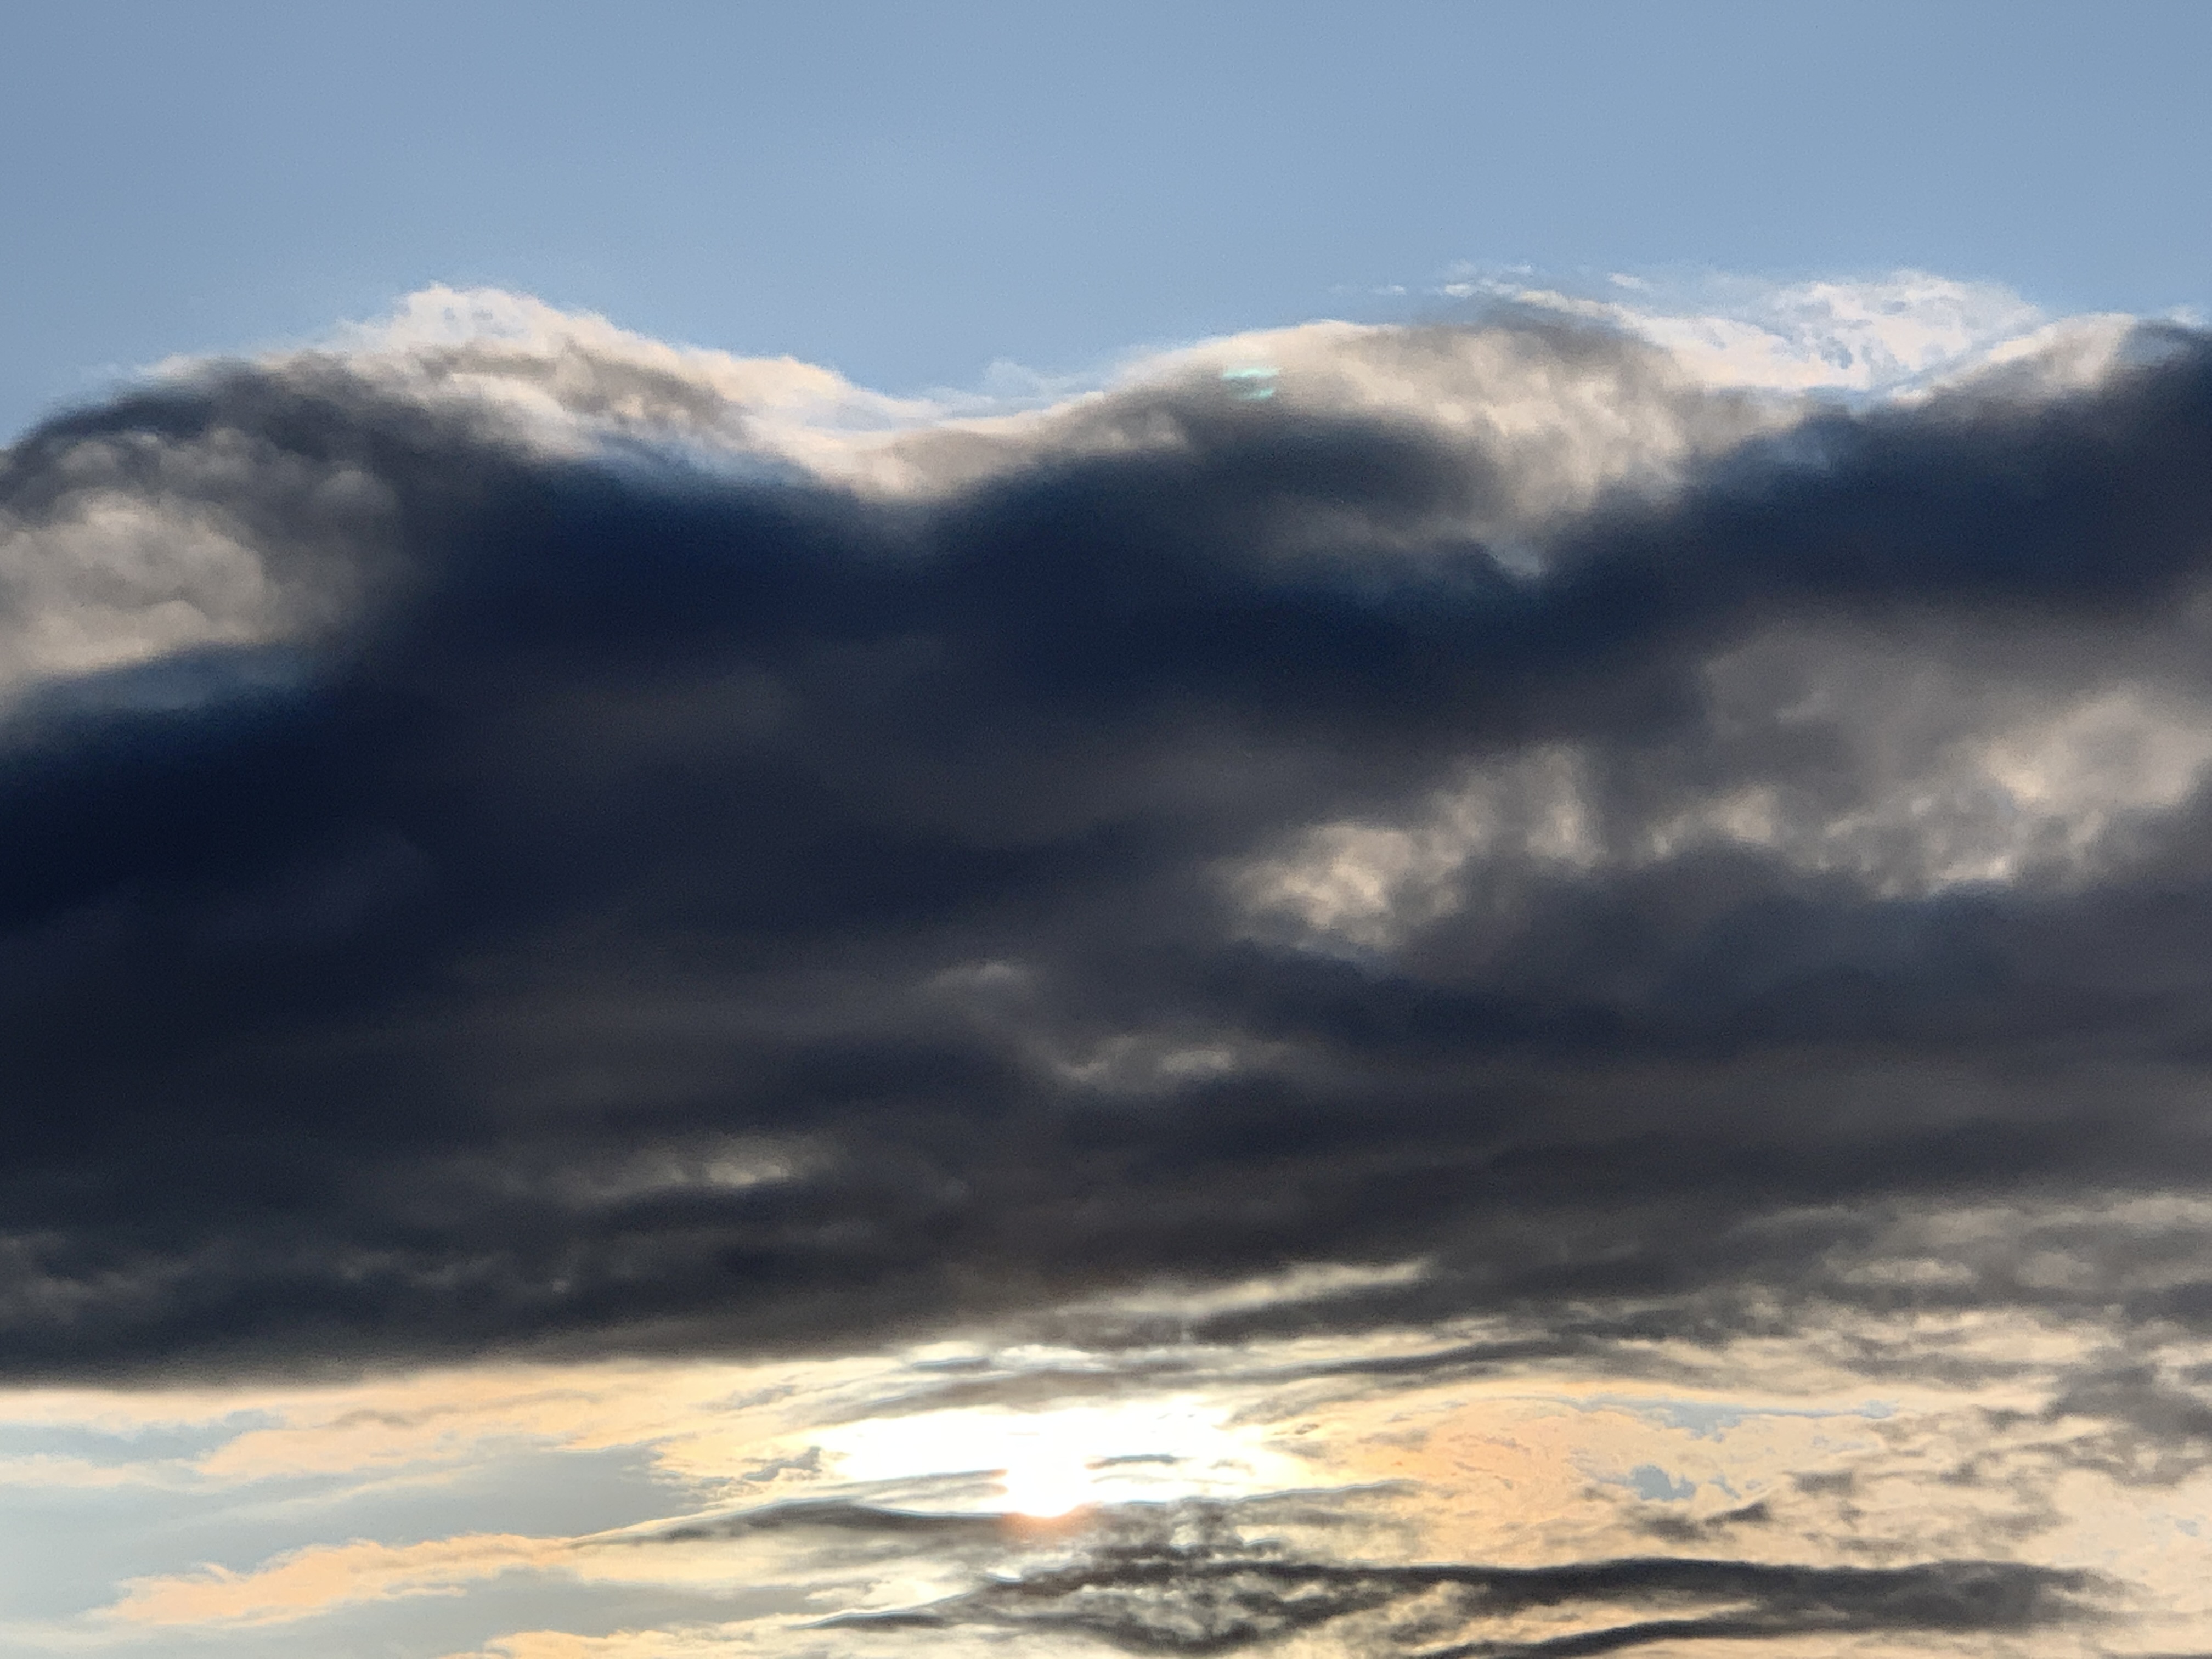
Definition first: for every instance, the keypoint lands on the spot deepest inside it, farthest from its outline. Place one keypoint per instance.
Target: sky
(1122, 830)
(912, 194)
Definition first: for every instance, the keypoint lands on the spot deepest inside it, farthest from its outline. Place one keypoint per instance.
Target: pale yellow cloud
(701, 1642)
(48, 1469)
(316, 1580)
(306, 1582)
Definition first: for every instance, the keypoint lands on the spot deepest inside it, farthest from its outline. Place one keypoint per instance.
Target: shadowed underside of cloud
(1156, 1599)
(467, 892)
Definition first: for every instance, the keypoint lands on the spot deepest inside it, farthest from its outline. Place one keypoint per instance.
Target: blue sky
(910, 193)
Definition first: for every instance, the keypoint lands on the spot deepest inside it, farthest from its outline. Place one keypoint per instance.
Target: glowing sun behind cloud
(1048, 1463)
(1044, 1478)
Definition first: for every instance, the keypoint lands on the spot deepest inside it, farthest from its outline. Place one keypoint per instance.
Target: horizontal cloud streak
(1164, 1597)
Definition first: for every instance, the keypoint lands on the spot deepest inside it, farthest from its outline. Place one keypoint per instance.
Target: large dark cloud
(620, 903)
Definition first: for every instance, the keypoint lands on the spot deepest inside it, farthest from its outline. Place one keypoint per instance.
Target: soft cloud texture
(1159, 948)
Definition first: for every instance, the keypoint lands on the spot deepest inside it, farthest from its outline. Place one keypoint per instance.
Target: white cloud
(1878, 335)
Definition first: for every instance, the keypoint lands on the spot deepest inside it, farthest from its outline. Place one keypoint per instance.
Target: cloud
(1511, 1470)
(687, 1644)
(317, 1580)
(1159, 1595)
(1880, 334)
(1501, 804)
(309, 1581)
(1146, 1578)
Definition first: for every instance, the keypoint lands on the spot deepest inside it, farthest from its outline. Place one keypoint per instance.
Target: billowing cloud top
(523, 838)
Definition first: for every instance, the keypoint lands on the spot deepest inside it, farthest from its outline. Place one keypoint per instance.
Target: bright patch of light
(1250, 386)
(1047, 1463)
(1044, 1478)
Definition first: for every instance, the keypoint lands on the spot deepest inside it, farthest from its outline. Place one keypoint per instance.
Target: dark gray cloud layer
(627, 907)
(1160, 1596)
(1204, 1577)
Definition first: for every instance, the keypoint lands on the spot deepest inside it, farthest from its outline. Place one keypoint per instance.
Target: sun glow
(1043, 1480)
(1050, 1463)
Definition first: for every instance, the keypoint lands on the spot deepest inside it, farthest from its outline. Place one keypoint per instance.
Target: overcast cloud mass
(1536, 986)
